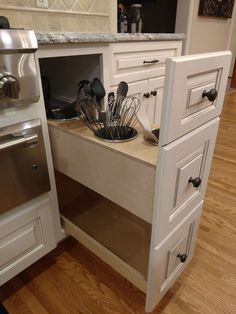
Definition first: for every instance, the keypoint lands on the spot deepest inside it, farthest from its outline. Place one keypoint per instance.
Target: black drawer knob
(196, 182)
(153, 92)
(146, 95)
(182, 257)
(211, 95)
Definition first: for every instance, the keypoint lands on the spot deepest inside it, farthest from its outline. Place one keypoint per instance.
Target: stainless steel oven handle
(18, 142)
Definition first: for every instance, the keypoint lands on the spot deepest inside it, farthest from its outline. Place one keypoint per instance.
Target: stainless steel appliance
(18, 71)
(23, 165)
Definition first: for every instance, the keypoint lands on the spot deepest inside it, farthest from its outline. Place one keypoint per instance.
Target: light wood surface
(116, 229)
(72, 280)
(106, 229)
(136, 149)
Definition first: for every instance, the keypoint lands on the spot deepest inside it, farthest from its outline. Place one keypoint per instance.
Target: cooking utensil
(121, 93)
(122, 89)
(109, 127)
(98, 90)
(156, 133)
(88, 111)
(84, 88)
(144, 122)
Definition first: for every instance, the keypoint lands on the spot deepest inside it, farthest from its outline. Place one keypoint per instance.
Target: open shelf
(116, 229)
(64, 73)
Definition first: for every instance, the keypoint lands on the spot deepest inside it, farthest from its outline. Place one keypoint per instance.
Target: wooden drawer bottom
(118, 237)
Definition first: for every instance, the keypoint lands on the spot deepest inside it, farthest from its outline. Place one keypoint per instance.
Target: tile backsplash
(61, 15)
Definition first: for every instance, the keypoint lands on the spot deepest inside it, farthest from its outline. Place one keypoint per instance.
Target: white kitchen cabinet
(138, 61)
(142, 66)
(26, 235)
(150, 94)
(134, 205)
(181, 177)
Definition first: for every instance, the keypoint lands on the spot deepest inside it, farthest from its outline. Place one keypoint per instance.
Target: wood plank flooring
(72, 280)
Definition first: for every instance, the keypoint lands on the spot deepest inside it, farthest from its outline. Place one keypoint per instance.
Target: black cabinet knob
(196, 182)
(182, 257)
(146, 95)
(211, 95)
(153, 92)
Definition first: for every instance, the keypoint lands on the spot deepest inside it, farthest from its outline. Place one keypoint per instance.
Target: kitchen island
(118, 179)
(134, 205)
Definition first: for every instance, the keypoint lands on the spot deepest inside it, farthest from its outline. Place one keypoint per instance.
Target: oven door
(23, 165)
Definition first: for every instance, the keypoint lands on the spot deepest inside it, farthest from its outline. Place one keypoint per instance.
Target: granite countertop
(74, 37)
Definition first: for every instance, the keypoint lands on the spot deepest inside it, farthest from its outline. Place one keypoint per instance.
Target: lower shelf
(117, 236)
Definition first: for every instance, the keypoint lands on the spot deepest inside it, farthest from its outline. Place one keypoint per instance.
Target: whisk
(116, 123)
(88, 111)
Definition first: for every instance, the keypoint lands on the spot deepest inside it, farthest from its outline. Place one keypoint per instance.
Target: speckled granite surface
(73, 37)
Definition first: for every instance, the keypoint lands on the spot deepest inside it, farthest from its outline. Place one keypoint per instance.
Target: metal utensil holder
(116, 123)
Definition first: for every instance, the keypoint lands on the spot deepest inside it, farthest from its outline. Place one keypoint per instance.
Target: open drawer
(124, 173)
(193, 92)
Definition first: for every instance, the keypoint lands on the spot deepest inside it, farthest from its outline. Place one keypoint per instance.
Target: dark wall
(158, 15)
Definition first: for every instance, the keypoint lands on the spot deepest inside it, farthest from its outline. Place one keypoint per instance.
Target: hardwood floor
(72, 280)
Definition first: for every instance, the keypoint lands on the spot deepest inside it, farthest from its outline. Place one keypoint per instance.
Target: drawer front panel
(193, 93)
(138, 61)
(25, 236)
(183, 170)
(196, 87)
(170, 258)
(18, 243)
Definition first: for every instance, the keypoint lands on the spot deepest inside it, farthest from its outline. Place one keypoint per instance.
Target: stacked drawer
(142, 66)
(193, 99)
(25, 236)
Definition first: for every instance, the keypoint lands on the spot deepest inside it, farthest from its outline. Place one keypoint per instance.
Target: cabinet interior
(118, 230)
(64, 73)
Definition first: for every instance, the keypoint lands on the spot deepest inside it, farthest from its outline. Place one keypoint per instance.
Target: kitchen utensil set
(117, 122)
(110, 125)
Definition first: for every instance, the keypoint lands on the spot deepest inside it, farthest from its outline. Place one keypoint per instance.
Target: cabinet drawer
(193, 93)
(170, 258)
(25, 236)
(137, 61)
(183, 170)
